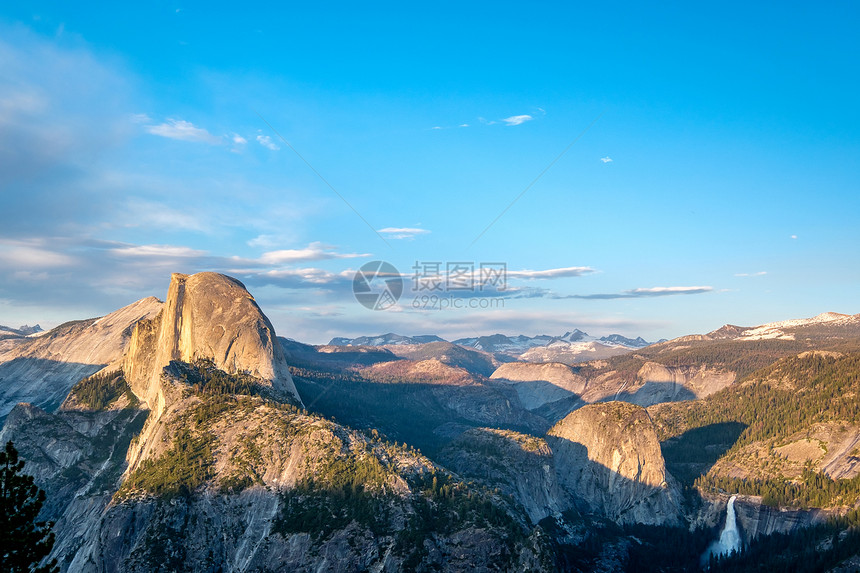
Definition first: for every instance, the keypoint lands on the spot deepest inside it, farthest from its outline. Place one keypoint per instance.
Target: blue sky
(711, 171)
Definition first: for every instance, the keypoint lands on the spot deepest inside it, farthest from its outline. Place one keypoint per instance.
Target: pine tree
(24, 542)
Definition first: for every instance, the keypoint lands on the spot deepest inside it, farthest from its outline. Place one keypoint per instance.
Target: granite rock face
(602, 460)
(660, 383)
(211, 316)
(607, 456)
(520, 465)
(42, 369)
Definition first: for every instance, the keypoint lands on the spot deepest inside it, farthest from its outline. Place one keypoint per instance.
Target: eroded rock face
(78, 457)
(660, 383)
(519, 464)
(608, 458)
(541, 384)
(206, 315)
(43, 369)
(756, 519)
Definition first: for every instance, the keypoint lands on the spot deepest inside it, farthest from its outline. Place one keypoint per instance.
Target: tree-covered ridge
(776, 401)
(179, 471)
(227, 441)
(743, 357)
(204, 378)
(188, 464)
(813, 489)
(101, 390)
(768, 408)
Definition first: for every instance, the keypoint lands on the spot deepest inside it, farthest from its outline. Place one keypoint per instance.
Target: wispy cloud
(758, 274)
(267, 142)
(550, 273)
(304, 277)
(239, 140)
(606, 159)
(402, 232)
(183, 131)
(168, 251)
(29, 254)
(313, 252)
(645, 292)
(517, 119)
(157, 215)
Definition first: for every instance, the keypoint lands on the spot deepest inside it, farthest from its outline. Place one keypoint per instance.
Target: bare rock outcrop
(539, 384)
(211, 316)
(41, 370)
(757, 520)
(519, 464)
(660, 383)
(608, 458)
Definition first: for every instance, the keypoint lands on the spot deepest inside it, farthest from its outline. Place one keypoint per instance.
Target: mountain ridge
(188, 444)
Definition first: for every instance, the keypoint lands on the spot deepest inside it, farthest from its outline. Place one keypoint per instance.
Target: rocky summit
(608, 457)
(206, 316)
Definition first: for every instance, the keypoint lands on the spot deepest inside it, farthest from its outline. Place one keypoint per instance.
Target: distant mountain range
(493, 342)
(571, 347)
(24, 330)
(385, 340)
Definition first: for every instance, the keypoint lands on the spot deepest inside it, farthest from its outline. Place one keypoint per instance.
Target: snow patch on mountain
(777, 330)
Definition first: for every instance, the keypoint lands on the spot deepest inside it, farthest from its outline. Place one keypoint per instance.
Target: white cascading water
(730, 539)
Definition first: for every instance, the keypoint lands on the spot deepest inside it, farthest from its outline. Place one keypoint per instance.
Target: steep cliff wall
(540, 384)
(41, 370)
(520, 465)
(608, 457)
(211, 316)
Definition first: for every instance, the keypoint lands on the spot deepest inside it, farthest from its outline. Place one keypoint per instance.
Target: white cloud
(657, 291)
(157, 251)
(794, 236)
(267, 142)
(643, 293)
(313, 252)
(140, 213)
(758, 274)
(239, 140)
(606, 159)
(265, 241)
(183, 131)
(26, 103)
(463, 125)
(550, 273)
(307, 276)
(31, 254)
(139, 118)
(517, 119)
(402, 232)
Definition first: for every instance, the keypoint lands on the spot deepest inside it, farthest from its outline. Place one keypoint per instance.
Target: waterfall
(730, 539)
